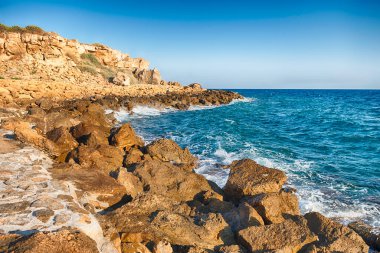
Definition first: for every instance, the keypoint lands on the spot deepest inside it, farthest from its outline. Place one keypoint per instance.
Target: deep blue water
(327, 141)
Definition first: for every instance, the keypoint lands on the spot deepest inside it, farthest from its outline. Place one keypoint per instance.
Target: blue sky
(227, 44)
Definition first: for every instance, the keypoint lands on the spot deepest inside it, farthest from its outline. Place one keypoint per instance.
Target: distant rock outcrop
(35, 54)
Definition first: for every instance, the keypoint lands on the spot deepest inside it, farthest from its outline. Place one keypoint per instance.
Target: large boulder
(63, 140)
(53, 242)
(365, 231)
(334, 237)
(171, 181)
(104, 157)
(121, 79)
(247, 178)
(131, 183)
(243, 216)
(274, 207)
(169, 151)
(125, 137)
(90, 134)
(286, 237)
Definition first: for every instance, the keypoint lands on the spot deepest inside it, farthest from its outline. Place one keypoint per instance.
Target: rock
(63, 140)
(90, 134)
(133, 157)
(59, 241)
(287, 237)
(121, 79)
(131, 183)
(334, 237)
(247, 178)
(134, 248)
(14, 207)
(43, 214)
(196, 86)
(274, 207)
(104, 157)
(174, 182)
(168, 151)
(125, 137)
(242, 217)
(163, 246)
(365, 231)
(231, 249)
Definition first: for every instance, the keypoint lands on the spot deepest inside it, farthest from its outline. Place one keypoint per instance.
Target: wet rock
(287, 237)
(334, 237)
(43, 214)
(125, 137)
(172, 181)
(247, 178)
(365, 231)
(274, 207)
(59, 241)
(168, 151)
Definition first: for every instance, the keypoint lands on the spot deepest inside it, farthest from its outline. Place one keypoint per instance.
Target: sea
(326, 141)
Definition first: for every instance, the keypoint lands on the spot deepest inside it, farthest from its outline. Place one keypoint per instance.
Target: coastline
(80, 126)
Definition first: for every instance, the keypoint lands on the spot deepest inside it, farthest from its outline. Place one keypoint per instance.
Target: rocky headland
(74, 179)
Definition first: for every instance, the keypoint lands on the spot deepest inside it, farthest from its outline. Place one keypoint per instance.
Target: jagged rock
(247, 178)
(148, 76)
(104, 157)
(365, 231)
(242, 217)
(131, 183)
(196, 86)
(334, 237)
(125, 137)
(121, 79)
(63, 140)
(170, 180)
(274, 207)
(168, 151)
(134, 248)
(286, 237)
(90, 134)
(133, 157)
(163, 246)
(59, 241)
(231, 249)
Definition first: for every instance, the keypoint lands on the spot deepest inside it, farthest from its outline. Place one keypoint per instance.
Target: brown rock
(334, 237)
(242, 217)
(171, 181)
(231, 249)
(131, 183)
(125, 137)
(90, 134)
(168, 151)
(365, 231)
(287, 237)
(133, 157)
(14, 207)
(247, 178)
(43, 214)
(54, 242)
(104, 157)
(134, 248)
(274, 207)
(163, 246)
(63, 140)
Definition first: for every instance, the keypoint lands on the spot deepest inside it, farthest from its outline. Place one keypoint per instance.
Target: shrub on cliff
(28, 29)
(91, 59)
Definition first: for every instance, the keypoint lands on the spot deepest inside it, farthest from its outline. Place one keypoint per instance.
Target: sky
(302, 44)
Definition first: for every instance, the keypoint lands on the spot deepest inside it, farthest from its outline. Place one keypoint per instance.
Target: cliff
(35, 54)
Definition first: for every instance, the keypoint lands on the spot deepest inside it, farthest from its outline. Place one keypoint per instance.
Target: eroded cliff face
(49, 56)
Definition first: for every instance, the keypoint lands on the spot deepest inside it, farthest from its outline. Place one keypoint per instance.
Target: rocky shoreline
(147, 198)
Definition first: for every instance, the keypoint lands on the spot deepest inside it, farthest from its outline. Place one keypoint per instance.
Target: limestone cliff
(30, 54)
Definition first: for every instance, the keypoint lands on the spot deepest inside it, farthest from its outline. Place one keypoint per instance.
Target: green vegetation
(98, 44)
(88, 69)
(28, 29)
(16, 78)
(1, 77)
(90, 64)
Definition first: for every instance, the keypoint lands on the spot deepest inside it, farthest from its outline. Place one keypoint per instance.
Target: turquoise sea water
(327, 141)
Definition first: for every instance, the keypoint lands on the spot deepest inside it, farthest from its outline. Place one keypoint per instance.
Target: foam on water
(327, 142)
